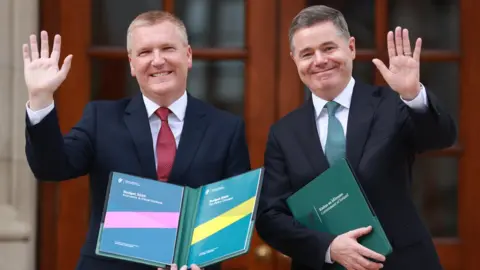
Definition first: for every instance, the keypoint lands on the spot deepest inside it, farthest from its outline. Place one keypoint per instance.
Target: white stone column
(18, 19)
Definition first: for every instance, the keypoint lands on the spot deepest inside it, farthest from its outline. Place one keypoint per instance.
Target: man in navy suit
(161, 133)
(379, 130)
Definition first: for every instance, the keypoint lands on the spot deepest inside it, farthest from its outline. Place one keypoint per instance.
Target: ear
(351, 47)
(189, 56)
(132, 69)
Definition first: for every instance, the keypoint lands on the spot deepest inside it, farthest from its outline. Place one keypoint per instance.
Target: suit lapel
(362, 110)
(136, 120)
(307, 135)
(194, 127)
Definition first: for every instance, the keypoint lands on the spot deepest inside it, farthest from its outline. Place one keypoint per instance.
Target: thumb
(359, 232)
(67, 63)
(381, 67)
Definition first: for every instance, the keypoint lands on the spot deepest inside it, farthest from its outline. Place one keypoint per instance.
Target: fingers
(398, 40)
(172, 267)
(366, 264)
(194, 267)
(418, 49)
(33, 47)
(365, 252)
(32, 53)
(57, 44)
(398, 43)
(407, 51)
(359, 232)
(44, 50)
(391, 45)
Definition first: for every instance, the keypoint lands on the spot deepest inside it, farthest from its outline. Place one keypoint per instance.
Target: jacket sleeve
(275, 223)
(54, 157)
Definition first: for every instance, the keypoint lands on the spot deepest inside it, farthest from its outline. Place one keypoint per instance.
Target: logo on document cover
(127, 182)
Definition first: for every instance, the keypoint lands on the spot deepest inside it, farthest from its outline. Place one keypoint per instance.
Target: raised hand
(346, 251)
(41, 70)
(403, 75)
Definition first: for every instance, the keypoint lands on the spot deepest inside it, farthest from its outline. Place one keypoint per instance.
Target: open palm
(403, 74)
(41, 71)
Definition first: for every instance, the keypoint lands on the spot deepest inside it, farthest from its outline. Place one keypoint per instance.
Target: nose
(319, 58)
(158, 58)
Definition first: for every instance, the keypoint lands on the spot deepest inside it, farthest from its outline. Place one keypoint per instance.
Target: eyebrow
(321, 45)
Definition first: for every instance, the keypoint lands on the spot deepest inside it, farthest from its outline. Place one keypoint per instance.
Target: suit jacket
(383, 136)
(115, 136)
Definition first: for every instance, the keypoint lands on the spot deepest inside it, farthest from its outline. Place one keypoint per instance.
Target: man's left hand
(175, 267)
(403, 75)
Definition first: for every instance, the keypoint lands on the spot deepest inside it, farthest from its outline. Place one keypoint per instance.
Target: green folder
(334, 202)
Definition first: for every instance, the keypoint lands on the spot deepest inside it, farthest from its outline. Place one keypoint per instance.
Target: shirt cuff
(420, 102)
(328, 259)
(36, 116)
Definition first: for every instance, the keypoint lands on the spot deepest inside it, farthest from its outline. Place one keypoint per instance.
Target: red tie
(166, 146)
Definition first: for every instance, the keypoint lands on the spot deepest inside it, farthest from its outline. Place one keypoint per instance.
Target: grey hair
(317, 14)
(155, 17)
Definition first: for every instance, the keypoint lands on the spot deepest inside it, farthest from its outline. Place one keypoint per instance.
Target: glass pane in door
(434, 190)
(220, 83)
(437, 22)
(360, 17)
(213, 23)
(111, 18)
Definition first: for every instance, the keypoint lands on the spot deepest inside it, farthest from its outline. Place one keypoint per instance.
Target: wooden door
(233, 47)
(445, 182)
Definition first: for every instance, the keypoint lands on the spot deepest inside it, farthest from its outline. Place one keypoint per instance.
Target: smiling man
(160, 133)
(379, 129)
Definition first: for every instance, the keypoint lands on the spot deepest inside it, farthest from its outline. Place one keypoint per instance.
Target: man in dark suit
(161, 133)
(378, 129)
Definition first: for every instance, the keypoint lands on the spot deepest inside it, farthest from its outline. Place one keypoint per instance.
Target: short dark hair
(317, 14)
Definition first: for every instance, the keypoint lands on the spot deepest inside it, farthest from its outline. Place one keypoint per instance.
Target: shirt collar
(178, 107)
(344, 98)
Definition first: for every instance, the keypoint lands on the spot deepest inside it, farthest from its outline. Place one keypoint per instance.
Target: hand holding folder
(175, 267)
(346, 251)
(334, 203)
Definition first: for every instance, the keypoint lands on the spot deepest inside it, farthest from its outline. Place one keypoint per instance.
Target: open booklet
(158, 223)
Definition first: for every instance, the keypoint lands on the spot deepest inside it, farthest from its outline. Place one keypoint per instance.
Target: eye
(304, 55)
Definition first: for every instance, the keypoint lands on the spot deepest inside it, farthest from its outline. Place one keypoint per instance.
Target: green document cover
(158, 223)
(334, 202)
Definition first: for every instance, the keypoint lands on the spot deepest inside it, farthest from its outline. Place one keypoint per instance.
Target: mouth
(161, 74)
(324, 71)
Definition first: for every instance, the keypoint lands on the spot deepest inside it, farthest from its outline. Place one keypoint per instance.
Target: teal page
(140, 220)
(225, 218)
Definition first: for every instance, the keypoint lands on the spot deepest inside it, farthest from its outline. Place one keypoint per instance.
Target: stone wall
(18, 19)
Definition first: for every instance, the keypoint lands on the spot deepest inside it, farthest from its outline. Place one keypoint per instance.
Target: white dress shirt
(344, 99)
(175, 119)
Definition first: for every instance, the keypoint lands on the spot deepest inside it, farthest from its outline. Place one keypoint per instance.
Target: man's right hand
(42, 75)
(346, 251)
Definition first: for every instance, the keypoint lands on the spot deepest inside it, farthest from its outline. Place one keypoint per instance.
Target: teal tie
(335, 146)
